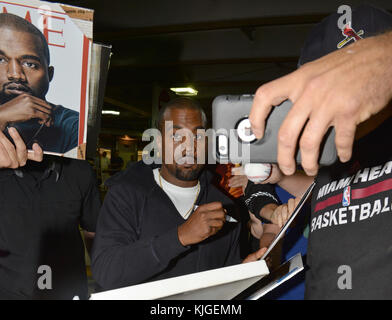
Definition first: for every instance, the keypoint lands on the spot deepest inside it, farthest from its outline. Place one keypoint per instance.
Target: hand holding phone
(236, 143)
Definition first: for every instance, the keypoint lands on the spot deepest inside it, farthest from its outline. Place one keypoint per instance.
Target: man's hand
(206, 221)
(238, 181)
(16, 156)
(255, 226)
(25, 107)
(341, 89)
(276, 175)
(283, 212)
(255, 255)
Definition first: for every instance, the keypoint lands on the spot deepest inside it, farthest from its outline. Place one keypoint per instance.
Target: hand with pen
(206, 221)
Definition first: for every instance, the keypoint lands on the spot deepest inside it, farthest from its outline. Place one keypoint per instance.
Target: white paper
(217, 284)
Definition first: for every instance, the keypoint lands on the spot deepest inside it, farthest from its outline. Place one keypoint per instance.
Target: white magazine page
(217, 284)
(276, 278)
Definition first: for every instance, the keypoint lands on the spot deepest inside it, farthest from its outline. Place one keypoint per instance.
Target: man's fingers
(237, 171)
(255, 255)
(10, 149)
(289, 209)
(211, 206)
(35, 103)
(234, 181)
(216, 224)
(311, 138)
(5, 160)
(237, 181)
(289, 133)
(42, 109)
(284, 215)
(21, 151)
(43, 118)
(280, 219)
(344, 139)
(41, 103)
(276, 214)
(41, 112)
(36, 154)
(291, 204)
(259, 253)
(275, 175)
(216, 215)
(268, 95)
(296, 201)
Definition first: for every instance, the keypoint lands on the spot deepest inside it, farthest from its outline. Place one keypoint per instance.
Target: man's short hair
(17, 23)
(180, 103)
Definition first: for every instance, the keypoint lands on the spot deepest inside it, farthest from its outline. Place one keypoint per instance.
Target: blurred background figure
(105, 162)
(116, 163)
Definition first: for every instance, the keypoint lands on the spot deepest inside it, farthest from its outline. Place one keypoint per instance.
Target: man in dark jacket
(165, 222)
(42, 205)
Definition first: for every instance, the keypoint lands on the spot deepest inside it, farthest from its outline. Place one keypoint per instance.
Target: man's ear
(50, 73)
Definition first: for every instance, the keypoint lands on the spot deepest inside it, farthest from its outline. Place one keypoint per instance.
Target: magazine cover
(45, 51)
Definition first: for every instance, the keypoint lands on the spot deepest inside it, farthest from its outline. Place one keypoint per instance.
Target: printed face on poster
(44, 74)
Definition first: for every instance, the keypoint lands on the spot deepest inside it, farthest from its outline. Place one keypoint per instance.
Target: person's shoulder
(75, 172)
(80, 169)
(62, 111)
(137, 176)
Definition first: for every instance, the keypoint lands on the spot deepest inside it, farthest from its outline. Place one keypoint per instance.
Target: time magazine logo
(50, 22)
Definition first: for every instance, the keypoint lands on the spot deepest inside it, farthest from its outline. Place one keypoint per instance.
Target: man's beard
(188, 175)
(5, 97)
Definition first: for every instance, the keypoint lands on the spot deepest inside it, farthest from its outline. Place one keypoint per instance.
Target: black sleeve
(233, 228)
(234, 256)
(91, 203)
(259, 195)
(119, 257)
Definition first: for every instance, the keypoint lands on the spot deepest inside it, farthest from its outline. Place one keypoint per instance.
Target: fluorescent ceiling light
(115, 113)
(185, 91)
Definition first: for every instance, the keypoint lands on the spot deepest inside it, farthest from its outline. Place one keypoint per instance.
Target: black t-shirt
(41, 208)
(350, 242)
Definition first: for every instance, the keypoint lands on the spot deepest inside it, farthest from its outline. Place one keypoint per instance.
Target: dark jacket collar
(49, 165)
